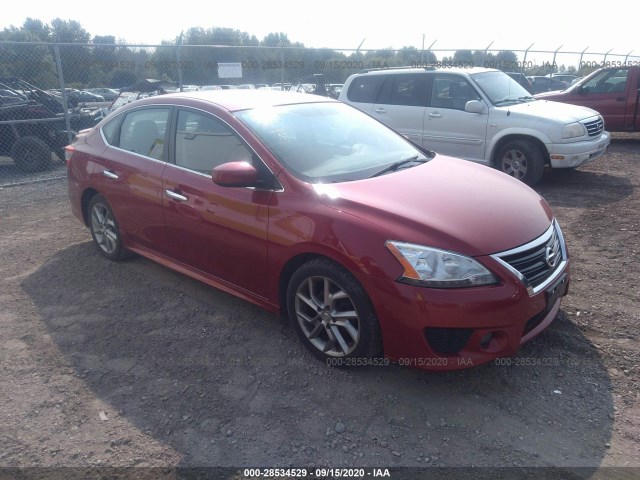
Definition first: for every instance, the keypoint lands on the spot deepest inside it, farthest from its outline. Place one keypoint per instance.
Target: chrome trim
(175, 196)
(542, 239)
(188, 170)
(110, 175)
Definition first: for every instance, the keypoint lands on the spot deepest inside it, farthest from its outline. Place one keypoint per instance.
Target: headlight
(432, 267)
(572, 130)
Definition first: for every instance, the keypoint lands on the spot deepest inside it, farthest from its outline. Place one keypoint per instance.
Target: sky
(345, 24)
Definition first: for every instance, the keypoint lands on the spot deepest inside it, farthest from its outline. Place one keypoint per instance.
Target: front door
(220, 231)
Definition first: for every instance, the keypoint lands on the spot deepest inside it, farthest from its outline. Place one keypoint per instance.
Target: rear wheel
(104, 229)
(31, 154)
(332, 313)
(522, 160)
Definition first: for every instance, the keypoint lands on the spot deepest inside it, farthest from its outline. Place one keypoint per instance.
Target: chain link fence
(50, 91)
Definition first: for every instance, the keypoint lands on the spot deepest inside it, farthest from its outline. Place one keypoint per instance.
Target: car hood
(560, 112)
(446, 203)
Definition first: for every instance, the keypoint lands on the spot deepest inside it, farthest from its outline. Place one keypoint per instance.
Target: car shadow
(583, 188)
(227, 384)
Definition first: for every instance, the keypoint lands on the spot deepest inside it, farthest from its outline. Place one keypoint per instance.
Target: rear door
(129, 173)
(220, 231)
(401, 104)
(448, 128)
(363, 91)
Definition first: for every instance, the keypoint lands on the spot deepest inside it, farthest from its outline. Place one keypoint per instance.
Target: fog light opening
(486, 340)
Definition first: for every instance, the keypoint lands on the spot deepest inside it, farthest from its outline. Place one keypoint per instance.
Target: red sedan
(376, 250)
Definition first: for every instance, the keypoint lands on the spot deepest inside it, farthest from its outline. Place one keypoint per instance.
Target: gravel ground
(131, 364)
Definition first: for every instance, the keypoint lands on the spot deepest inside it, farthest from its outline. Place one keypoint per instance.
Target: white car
(482, 115)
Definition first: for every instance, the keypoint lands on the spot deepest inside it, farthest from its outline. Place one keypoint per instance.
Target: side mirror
(474, 106)
(235, 174)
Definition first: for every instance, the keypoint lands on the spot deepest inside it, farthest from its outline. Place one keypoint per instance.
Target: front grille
(538, 260)
(594, 127)
(447, 341)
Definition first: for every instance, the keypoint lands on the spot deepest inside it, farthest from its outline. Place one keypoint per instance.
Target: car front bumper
(571, 155)
(441, 329)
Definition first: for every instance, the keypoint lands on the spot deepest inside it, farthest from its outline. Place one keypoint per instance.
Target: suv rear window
(364, 89)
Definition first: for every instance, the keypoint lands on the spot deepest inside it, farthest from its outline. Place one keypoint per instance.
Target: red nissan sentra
(376, 250)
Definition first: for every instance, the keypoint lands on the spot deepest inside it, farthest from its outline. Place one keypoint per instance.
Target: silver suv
(482, 115)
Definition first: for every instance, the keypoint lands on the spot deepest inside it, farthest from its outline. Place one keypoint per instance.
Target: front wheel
(522, 160)
(332, 313)
(104, 229)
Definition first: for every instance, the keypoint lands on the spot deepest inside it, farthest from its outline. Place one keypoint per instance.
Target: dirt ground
(130, 364)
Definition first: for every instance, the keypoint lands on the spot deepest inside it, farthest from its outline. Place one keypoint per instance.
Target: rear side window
(143, 132)
(365, 88)
(409, 90)
(110, 130)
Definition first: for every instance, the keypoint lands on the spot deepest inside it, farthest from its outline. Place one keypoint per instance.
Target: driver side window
(608, 81)
(203, 142)
(451, 91)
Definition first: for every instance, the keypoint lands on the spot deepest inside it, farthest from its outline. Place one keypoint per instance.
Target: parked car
(32, 125)
(567, 78)
(107, 93)
(304, 205)
(76, 97)
(522, 79)
(613, 91)
(546, 84)
(142, 89)
(479, 114)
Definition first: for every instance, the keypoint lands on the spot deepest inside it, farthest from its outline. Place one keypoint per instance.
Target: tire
(31, 154)
(104, 229)
(522, 160)
(318, 292)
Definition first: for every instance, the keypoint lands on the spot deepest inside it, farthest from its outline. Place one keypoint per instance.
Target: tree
(507, 60)
(463, 58)
(76, 59)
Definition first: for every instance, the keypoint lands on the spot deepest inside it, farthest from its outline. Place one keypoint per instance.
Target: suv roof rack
(423, 67)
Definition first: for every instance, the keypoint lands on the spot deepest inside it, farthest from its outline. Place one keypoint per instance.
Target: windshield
(328, 142)
(501, 89)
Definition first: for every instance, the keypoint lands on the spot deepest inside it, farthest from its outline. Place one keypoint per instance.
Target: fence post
(484, 55)
(282, 63)
(178, 55)
(580, 64)
(67, 121)
(524, 61)
(553, 63)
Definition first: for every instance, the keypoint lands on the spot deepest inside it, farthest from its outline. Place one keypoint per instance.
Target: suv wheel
(521, 159)
(31, 154)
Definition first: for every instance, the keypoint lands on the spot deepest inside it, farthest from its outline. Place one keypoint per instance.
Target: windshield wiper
(504, 101)
(394, 166)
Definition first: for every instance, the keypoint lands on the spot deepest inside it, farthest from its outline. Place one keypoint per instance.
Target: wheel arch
(87, 195)
(497, 146)
(297, 260)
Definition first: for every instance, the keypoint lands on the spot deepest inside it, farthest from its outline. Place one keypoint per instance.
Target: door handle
(380, 110)
(175, 196)
(110, 174)
(435, 115)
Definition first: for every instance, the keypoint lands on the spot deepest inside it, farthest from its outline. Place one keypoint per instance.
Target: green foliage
(194, 56)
